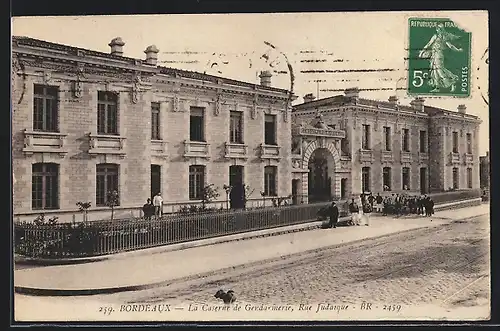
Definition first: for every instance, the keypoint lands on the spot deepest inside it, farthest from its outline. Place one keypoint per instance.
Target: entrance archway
(322, 160)
(320, 166)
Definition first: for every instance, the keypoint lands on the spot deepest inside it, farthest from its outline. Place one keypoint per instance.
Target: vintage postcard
(244, 167)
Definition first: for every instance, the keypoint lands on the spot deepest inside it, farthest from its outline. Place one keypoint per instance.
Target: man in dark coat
(334, 215)
(148, 209)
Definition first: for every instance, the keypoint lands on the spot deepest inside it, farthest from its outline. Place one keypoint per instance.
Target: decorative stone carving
(253, 111)
(218, 103)
(78, 86)
(136, 87)
(93, 142)
(176, 103)
(296, 164)
(47, 77)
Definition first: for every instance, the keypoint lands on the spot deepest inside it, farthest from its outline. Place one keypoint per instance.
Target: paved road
(446, 266)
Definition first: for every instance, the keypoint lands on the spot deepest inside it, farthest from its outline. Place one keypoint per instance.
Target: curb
(111, 290)
(204, 242)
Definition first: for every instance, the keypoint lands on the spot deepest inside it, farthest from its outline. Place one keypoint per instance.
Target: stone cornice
(63, 55)
(62, 62)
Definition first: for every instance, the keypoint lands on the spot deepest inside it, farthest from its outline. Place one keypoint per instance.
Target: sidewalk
(146, 271)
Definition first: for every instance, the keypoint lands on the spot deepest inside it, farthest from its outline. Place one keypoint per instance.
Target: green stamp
(439, 58)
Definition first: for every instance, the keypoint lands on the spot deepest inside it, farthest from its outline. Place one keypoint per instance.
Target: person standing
(148, 209)
(354, 210)
(158, 204)
(378, 201)
(334, 215)
(431, 206)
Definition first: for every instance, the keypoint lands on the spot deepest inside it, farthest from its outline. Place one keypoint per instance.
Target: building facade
(85, 123)
(484, 172)
(367, 145)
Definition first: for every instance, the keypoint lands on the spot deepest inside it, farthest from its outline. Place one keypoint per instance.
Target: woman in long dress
(440, 77)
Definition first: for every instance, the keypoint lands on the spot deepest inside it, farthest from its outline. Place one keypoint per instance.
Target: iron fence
(70, 240)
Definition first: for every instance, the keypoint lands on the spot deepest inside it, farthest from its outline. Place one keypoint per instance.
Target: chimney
(265, 78)
(116, 46)
(393, 100)
(152, 55)
(461, 109)
(418, 103)
(352, 92)
(309, 97)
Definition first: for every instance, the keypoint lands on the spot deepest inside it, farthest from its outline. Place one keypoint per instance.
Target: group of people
(395, 204)
(153, 208)
(359, 215)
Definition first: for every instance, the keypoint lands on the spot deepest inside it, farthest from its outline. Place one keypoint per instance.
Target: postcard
(244, 167)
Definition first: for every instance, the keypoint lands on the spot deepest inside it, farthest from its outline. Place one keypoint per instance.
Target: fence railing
(84, 239)
(70, 240)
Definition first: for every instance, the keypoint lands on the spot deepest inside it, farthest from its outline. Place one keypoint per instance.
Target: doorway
(237, 195)
(295, 192)
(155, 179)
(423, 180)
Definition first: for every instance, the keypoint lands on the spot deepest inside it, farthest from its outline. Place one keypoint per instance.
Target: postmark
(439, 58)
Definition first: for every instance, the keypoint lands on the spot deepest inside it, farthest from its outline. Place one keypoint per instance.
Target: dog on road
(227, 297)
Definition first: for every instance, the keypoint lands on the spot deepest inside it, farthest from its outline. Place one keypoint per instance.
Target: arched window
(45, 186)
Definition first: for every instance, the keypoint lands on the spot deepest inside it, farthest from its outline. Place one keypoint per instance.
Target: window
(106, 182)
(469, 143)
(107, 113)
(344, 146)
(455, 141)
(270, 130)
(45, 109)
(469, 177)
(196, 124)
(343, 188)
(387, 138)
(423, 142)
(387, 179)
(365, 143)
(155, 121)
(270, 180)
(406, 178)
(236, 127)
(45, 186)
(455, 178)
(406, 140)
(365, 179)
(196, 182)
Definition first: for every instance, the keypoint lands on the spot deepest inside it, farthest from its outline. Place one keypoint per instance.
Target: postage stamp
(255, 167)
(439, 58)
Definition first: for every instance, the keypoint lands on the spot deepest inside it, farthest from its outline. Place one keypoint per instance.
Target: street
(424, 266)
(445, 266)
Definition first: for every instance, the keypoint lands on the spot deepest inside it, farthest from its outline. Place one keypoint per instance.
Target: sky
(239, 46)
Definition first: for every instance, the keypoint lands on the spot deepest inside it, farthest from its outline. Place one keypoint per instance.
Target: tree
(84, 207)
(227, 189)
(112, 200)
(210, 193)
(248, 192)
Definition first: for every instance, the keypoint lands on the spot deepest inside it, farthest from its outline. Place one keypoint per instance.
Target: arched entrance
(321, 167)
(322, 164)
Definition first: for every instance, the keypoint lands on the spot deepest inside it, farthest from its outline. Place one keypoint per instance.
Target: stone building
(86, 123)
(361, 145)
(484, 172)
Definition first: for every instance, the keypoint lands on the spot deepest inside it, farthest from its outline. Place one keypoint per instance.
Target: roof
(28, 41)
(339, 100)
